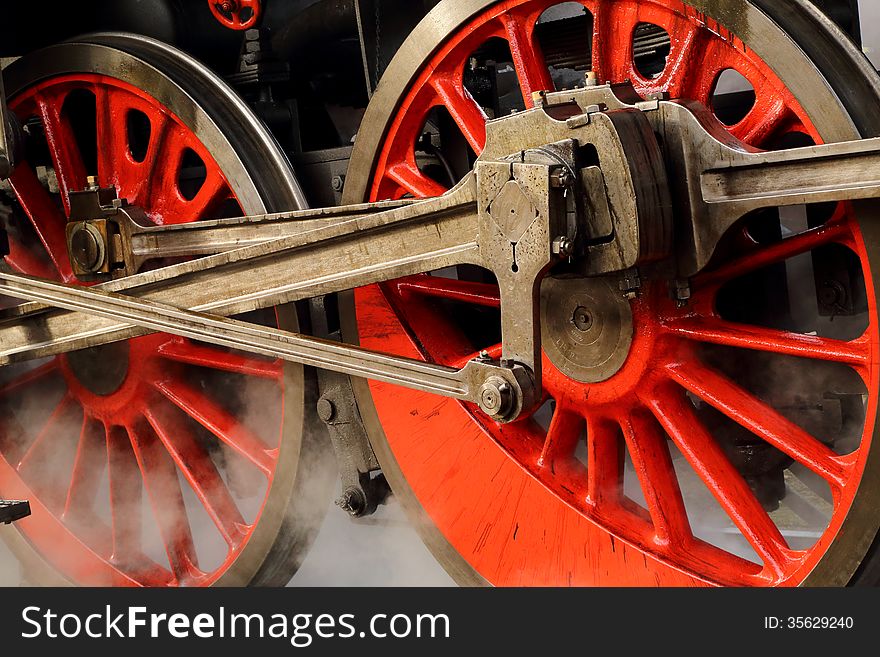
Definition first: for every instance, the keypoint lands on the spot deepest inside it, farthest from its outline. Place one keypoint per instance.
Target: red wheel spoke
(116, 163)
(604, 463)
(114, 157)
(35, 375)
(765, 422)
(566, 428)
(653, 465)
(88, 466)
(47, 220)
(219, 422)
(613, 25)
(24, 261)
(478, 294)
(687, 42)
(408, 176)
(190, 353)
(196, 465)
(126, 492)
(49, 431)
(765, 119)
(717, 331)
(166, 499)
(528, 60)
(764, 256)
(464, 110)
(69, 167)
(168, 205)
(211, 194)
(676, 415)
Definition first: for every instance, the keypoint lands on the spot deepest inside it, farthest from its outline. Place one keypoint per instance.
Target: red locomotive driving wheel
(727, 439)
(158, 461)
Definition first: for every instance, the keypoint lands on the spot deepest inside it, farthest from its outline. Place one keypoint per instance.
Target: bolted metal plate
(513, 211)
(586, 327)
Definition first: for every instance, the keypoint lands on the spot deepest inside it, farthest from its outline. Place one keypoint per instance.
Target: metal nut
(338, 182)
(496, 397)
(353, 502)
(563, 246)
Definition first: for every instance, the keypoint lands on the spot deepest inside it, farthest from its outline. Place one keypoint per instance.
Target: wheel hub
(586, 328)
(101, 370)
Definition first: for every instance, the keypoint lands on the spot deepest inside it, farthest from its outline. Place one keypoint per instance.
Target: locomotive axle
(579, 186)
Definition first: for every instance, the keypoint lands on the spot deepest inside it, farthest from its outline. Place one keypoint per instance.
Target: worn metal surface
(587, 327)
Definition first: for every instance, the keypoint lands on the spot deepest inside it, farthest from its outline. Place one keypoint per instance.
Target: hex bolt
(91, 183)
(326, 410)
(539, 98)
(338, 182)
(353, 502)
(590, 79)
(496, 397)
(563, 246)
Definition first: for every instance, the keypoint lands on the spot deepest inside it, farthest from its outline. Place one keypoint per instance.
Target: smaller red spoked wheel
(678, 445)
(236, 14)
(153, 461)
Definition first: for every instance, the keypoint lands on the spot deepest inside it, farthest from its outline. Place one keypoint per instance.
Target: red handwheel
(728, 440)
(236, 14)
(158, 461)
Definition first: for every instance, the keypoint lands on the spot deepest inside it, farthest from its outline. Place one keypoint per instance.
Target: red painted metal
(236, 14)
(515, 501)
(126, 448)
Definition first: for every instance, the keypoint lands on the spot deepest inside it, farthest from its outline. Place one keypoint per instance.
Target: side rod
(335, 257)
(467, 384)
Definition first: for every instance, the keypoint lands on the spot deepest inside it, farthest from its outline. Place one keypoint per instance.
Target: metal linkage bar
(322, 260)
(716, 179)
(140, 243)
(831, 172)
(466, 384)
(720, 179)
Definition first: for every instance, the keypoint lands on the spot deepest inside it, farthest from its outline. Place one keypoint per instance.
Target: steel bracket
(363, 490)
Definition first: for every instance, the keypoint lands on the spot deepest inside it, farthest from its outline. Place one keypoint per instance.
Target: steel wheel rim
(447, 19)
(254, 554)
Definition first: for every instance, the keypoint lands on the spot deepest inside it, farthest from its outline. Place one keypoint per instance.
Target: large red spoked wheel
(157, 461)
(729, 441)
